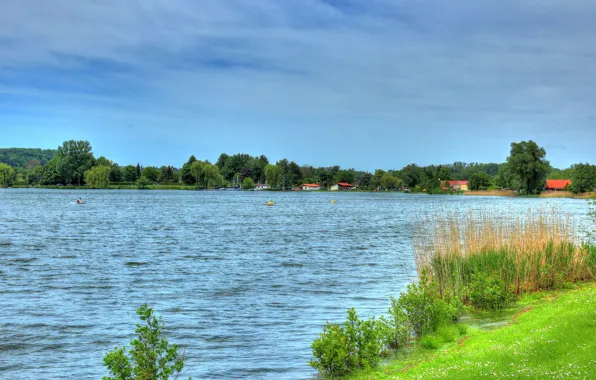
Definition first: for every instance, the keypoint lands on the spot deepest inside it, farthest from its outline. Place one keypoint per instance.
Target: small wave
(135, 263)
(290, 264)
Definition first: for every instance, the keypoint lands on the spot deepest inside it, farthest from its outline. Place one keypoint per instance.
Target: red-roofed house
(311, 187)
(341, 186)
(455, 185)
(557, 184)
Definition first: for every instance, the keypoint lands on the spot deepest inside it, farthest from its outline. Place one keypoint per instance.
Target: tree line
(74, 164)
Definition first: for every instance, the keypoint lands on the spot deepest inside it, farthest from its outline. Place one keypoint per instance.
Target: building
(341, 186)
(311, 187)
(557, 184)
(455, 185)
(261, 186)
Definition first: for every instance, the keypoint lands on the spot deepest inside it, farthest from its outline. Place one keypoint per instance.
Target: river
(244, 287)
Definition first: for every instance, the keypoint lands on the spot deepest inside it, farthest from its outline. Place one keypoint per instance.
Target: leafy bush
(489, 292)
(356, 344)
(397, 326)
(425, 310)
(150, 358)
(462, 329)
(448, 333)
(430, 342)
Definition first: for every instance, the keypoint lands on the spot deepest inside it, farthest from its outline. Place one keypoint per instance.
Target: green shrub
(151, 357)
(462, 329)
(448, 333)
(397, 326)
(429, 342)
(489, 292)
(342, 349)
(425, 310)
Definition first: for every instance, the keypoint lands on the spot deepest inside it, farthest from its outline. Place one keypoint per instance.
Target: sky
(361, 84)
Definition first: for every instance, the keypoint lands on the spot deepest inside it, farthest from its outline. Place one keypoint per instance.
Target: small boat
(269, 203)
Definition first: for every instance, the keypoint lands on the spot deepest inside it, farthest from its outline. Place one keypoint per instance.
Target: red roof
(557, 184)
(455, 183)
(344, 184)
(311, 185)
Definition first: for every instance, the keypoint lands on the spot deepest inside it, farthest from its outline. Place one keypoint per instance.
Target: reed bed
(531, 251)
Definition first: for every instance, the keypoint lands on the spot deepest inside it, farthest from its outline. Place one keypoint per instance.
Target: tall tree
(129, 173)
(479, 181)
(584, 178)
(272, 176)
(7, 175)
(98, 177)
(151, 173)
(186, 176)
(74, 159)
(527, 162)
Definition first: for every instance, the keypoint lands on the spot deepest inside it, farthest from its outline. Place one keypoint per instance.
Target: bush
(462, 329)
(430, 342)
(448, 333)
(489, 292)
(424, 309)
(342, 349)
(151, 357)
(397, 332)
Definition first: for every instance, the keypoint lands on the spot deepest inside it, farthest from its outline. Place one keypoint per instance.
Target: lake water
(245, 287)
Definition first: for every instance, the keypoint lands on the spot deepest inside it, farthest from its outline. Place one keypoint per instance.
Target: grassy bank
(467, 263)
(553, 336)
(492, 193)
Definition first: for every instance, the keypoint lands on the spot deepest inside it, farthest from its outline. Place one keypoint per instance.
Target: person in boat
(80, 201)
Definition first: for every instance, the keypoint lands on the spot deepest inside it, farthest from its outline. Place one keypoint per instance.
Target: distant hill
(26, 158)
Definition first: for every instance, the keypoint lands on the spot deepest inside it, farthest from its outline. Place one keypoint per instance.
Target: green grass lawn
(553, 337)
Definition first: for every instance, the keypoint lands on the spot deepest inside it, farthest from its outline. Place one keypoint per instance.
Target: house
(557, 184)
(455, 185)
(341, 186)
(261, 186)
(311, 187)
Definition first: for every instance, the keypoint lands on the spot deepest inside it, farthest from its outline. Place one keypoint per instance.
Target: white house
(311, 187)
(261, 186)
(340, 186)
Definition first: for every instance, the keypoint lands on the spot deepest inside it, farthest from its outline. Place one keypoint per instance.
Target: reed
(531, 251)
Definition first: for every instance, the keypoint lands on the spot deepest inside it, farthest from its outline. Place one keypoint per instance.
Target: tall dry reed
(535, 250)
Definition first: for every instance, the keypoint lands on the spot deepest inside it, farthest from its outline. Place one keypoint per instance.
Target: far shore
(544, 194)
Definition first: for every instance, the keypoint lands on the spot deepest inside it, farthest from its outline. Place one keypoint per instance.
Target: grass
(553, 337)
(533, 251)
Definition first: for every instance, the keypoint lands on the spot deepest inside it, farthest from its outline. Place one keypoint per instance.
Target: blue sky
(363, 84)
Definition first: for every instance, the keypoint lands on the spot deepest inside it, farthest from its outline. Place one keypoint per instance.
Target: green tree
(506, 179)
(7, 175)
(389, 181)
(36, 175)
(348, 176)
(272, 176)
(151, 173)
(584, 178)
(295, 174)
(365, 180)
(151, 356)
(98, 177)
(412, 175)
(74, 159)
(129, 173)
(142, 183)
(51, 176)
(186, 176)
(527, 161)
(248, 183)
(479, 181)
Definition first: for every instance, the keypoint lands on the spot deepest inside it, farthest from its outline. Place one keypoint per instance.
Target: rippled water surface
(245, 287)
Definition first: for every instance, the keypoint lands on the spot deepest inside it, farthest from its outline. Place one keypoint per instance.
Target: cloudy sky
(364, 84)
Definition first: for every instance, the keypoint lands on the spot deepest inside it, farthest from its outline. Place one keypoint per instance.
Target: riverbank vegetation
(550, 336)
(524, 171)
(482, 261)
